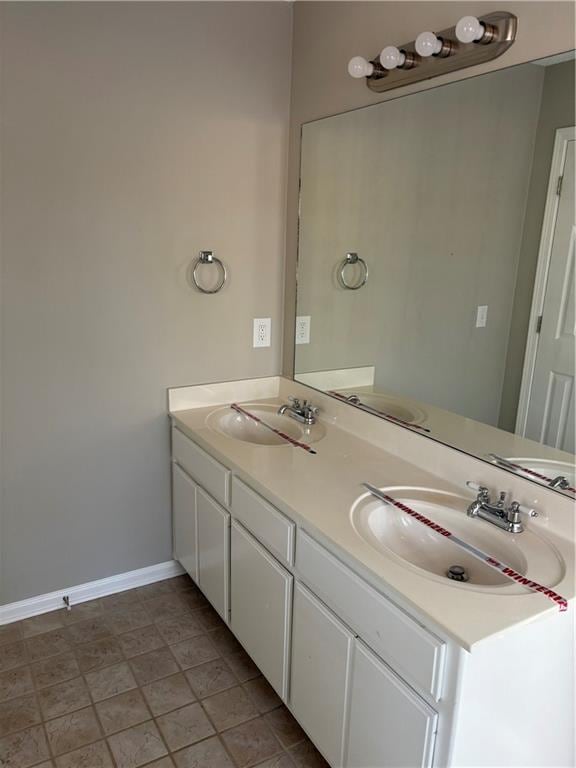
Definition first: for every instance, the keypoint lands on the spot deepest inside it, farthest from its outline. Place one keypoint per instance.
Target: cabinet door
(321, 659)
(390, 725)
(184, 530)
(213, 552)
(261, 601)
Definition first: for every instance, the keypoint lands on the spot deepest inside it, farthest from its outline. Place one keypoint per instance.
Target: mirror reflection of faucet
(559, 481)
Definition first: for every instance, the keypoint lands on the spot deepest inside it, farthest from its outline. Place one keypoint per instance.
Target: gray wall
(327, 34)
(134, 135)
(411, 185)
(557, 111)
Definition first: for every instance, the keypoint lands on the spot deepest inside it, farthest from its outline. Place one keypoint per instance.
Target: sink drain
(457, 573)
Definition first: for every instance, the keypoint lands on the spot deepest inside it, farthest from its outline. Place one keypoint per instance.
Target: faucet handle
(294, 400)
(522, 509)
(481, 490)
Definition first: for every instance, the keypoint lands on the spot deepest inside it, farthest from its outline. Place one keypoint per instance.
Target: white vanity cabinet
(261, 605)
(200, 525)
(357, 710)
(272, 529)
(390, 726)
(302, 616)
(184, 531)
(374, 681)
(213, 552)
(321, 665)
(213, 476)
(413, 651)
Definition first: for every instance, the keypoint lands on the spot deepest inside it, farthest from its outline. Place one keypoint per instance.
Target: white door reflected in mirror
(548, 415)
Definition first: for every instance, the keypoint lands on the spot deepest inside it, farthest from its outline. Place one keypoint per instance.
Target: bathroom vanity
(382, 659)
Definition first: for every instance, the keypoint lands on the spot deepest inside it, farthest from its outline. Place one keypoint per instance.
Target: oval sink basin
(241, 427)
(395, 533)
(390, 406)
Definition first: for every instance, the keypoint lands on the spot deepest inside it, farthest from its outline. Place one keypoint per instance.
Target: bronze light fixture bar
(470, 42)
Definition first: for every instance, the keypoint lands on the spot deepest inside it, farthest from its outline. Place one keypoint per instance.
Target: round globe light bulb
(469, 29)
(427, 44)
(392, 57)
(358, 66)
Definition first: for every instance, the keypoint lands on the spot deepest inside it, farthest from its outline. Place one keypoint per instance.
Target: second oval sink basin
(393, 532)
(390, 406)
(242, 427)
(548, 467)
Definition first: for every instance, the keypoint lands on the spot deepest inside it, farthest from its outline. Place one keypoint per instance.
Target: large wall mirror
(436, 265)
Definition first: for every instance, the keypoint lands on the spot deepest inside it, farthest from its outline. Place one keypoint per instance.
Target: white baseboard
(51, 601)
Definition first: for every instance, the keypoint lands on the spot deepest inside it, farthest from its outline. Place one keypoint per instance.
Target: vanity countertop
(318, 490)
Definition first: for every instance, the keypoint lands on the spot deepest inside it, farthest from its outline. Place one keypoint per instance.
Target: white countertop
(318, 490)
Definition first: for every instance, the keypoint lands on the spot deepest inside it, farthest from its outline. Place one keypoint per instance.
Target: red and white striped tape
(283, 435)
(560, 601)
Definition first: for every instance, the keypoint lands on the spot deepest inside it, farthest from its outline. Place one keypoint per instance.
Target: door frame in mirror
(563, 136)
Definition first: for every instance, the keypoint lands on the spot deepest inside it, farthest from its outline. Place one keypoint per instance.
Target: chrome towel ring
(353, 258)
(207, 257)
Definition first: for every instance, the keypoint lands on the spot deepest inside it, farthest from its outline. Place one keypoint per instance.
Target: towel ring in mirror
(353, 258)
(207, 257)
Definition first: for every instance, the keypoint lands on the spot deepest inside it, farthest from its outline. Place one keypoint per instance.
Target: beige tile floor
(150, 677)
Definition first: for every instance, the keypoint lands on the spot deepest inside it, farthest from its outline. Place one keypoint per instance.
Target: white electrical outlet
(481, 316)
(262, 331)
(303, 329)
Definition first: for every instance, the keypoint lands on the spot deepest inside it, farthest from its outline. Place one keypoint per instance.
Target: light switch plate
(303, 329)
(262, 331)
(481, 316)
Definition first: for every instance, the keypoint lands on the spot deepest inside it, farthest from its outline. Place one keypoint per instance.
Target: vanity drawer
(209, 473)
(415, 653)
(266, 523)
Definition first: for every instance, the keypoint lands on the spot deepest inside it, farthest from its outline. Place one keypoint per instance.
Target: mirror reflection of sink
(390, 406)
(241, 427)
(547, 467)
(393, 532)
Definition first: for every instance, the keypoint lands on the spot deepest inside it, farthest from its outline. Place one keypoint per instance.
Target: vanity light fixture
(472, 41)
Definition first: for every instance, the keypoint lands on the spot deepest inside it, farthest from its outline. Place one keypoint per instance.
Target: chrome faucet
(505, 516)
(303, 412)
